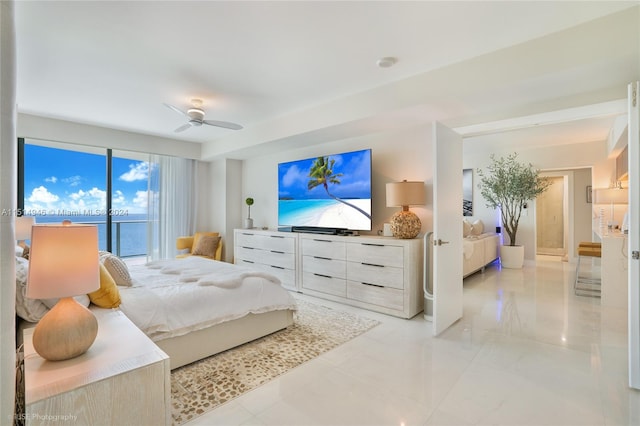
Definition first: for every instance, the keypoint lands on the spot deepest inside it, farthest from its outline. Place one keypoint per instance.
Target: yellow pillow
(107, 296)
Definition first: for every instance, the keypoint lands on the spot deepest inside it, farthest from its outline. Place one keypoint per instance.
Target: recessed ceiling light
(386, 62)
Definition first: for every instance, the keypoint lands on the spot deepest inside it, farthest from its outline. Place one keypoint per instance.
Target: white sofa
(479, 248)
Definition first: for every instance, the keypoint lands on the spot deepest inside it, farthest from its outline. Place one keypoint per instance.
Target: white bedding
(174, 297)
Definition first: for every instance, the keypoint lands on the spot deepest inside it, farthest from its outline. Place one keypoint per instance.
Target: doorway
(571, 191)
(551, 215)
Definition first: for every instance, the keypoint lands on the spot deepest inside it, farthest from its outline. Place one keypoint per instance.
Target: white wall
(220, 201)
(556, 157)
(395, 156)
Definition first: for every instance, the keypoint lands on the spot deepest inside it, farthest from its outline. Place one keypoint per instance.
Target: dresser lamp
(63, 264)
(405, 224)
(612, 196)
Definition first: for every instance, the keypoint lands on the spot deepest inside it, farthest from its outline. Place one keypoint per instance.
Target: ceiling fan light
(196, 113)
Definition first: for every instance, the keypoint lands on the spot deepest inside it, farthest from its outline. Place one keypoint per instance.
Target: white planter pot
(248, 223)
(512, 257)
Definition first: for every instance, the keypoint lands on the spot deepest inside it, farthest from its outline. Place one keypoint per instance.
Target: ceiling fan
(195, 114)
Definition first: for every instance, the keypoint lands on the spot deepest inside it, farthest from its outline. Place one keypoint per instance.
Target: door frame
(568, 211)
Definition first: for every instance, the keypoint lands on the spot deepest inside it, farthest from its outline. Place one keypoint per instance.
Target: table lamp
(405, 224)
(63, 264)
(612, 196)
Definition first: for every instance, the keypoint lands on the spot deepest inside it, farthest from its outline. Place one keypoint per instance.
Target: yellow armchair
(210, 248)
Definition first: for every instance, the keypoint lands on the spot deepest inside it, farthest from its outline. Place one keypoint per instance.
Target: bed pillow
(107, 296)
(31, 310)
(118, 270)
(477, 227)
(83, 299)
(102, 255)
(206, 246)
(466, 228)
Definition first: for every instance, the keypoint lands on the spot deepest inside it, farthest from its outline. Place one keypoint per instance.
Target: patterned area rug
(202, 386)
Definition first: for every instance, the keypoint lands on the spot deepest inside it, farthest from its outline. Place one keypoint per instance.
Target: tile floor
(527, 352)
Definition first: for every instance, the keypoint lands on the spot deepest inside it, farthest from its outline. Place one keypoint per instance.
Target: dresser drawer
(323, 248)
(381, 296)
(280, 243)
(284, 260)
(324, 266)
(377, 254)
(387, 276)
(324, 284)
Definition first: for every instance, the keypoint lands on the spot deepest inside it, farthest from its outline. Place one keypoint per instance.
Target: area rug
(204, 385)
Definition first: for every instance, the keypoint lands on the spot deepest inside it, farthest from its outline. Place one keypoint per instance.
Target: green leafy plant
(509, 185)
(249, 202)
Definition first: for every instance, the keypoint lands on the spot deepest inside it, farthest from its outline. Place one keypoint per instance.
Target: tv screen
(331, 191)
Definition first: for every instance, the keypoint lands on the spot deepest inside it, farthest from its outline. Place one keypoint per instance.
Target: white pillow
(466, 228)
(118, 270)
(477, 227)
(31, 310)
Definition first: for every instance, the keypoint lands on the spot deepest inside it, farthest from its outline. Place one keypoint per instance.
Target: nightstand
(123, 379)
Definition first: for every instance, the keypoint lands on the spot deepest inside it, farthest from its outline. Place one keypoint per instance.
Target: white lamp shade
(612, 196)
(63, 261)
(23, 227)
(406, 194)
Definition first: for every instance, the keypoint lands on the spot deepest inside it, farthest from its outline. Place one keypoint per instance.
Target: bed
(191, 308)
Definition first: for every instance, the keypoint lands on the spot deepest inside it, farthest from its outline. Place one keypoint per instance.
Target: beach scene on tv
(332, 191)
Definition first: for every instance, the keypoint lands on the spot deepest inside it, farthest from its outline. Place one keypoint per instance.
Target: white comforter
(174, 297)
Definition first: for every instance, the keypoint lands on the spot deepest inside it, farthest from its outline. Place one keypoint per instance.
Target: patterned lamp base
(405, 224)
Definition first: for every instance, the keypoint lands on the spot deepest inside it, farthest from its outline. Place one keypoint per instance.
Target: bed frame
(199, 344)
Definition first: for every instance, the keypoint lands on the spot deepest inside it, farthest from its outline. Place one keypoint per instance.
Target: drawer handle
(248, 248)
(322, 258)
(248, 261)
(372, 244)
(276, 236)
(323, 276)
(373, 285)
(276, 251)
(277, 267)
(322, 241)
(372, 264)
(247, 233)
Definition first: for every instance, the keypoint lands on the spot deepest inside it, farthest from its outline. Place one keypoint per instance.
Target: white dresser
(269, 251)
(123, 379)
(377, 273)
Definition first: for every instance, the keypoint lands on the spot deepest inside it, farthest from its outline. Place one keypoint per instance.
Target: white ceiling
(300, 72)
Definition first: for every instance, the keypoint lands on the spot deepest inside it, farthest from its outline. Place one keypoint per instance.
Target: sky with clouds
(60, 180)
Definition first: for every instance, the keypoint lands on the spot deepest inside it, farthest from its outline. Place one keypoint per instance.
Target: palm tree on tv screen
(321, 173)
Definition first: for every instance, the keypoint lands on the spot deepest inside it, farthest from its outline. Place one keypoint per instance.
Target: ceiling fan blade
(178, 110)
(225, 124)
(182, 128)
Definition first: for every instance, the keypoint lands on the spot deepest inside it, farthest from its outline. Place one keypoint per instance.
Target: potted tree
(248, 223)
(509, 185)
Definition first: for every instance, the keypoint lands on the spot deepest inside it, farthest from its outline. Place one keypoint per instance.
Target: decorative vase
(512, 257)
(248, 223)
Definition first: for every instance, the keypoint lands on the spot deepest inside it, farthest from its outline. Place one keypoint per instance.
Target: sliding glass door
(88, 185)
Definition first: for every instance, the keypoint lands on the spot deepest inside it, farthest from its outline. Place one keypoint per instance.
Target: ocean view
(132, 230)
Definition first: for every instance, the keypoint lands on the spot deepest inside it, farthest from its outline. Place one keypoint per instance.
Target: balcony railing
(129, 236)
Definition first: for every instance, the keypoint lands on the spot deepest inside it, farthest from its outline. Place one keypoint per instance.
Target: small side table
(123, 379)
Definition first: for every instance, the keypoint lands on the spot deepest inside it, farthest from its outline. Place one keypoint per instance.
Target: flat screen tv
(331, 192)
